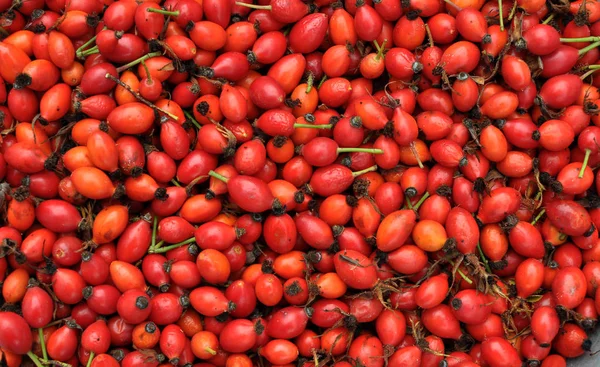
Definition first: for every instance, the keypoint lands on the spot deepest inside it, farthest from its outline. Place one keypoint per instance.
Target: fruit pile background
(289, 183)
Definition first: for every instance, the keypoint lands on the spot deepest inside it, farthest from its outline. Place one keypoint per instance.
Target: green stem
(90, 51)
(549, 19)
(366, 170)
(360, 150)
(322, 81)
(421, 200)
(581, 39)
(253, 6)
(164, 12)
(81, 49)
(174, 182)
(192, 119)
(89, 362)
(311, 126)
(137, 61)
(500, 15)
(462, 275)
(159, 245)
(512, 11)
(154, 229)
(588, 73)
(42, 343)
(34, 359)
(538, 217)
(584, 50)
(585, 163)
(381, 49)
(148, 76)
(409, 204)
(218, 176)
(376, 44)
(484, 259)
(174, 246)
(309, 82)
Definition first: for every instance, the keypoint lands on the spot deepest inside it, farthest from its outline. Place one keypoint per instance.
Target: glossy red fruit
(541, 39)
(96, 337)
(37, 307)
(238, 336)
(569, 287)
(14, 340)
(470, 306)
(280, 351)
(497, 349)
(545, 325)
(552, 98)
(571, 341)
(529, 277)
(569, 217)
(58, 216)
(441, 321)
(355, 269)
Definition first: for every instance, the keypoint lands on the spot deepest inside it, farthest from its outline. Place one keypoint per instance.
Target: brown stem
(140, 98)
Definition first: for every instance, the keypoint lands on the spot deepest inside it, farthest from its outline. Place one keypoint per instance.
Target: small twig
(588, 73)
(79, 52)
(484, 259)
(88, 52)
(429, 36)
(90, 359)
(413, 149)
(55, 363)
(159, 245)
(137, 61)
(352, 261)
(409, 204)
(42, 343)
(140, 98)
(322, 81)
(549, 19)
(462, 275)
(541, 213)
(512, 11)
(310, 81)
(500, 15)
(159, 250)
(421, 201)
(192, 119)
(154, 229)
(34, 359)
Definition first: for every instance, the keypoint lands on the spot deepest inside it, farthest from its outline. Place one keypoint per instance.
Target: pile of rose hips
(376, 183)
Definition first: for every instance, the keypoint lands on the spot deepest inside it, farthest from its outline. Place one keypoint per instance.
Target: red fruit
(238, 336)
(470, 306)
(355, 269)
(498, 352)
(569, 287)
(545, 325)
(16, 337)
